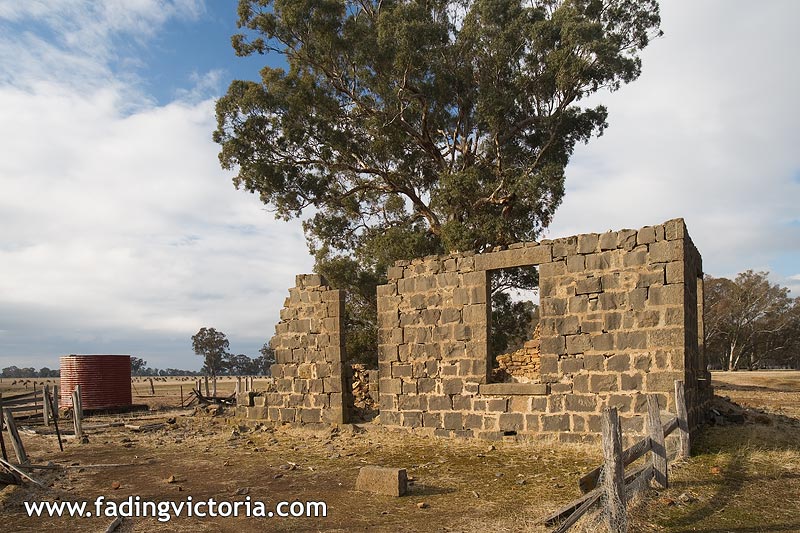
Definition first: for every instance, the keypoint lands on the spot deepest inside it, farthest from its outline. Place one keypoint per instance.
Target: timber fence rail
(616, 483)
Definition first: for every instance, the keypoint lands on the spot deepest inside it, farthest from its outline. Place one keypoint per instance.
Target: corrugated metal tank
(105, 380)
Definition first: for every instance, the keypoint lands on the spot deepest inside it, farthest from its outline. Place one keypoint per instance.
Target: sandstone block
(382, 480)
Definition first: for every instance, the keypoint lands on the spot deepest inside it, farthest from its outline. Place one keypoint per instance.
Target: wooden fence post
(56, 398)
(684, 448)
(46, 404)
(2, 424)
(657, 446)
(152, 389)
(77, 415)
(208, 392)
(16, 442)
(613, 473)
(214, 385)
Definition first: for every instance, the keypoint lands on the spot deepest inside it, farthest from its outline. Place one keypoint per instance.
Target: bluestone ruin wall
(620, 317)
(308, 373)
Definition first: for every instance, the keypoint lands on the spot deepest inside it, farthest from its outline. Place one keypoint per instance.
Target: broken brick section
(309, 352)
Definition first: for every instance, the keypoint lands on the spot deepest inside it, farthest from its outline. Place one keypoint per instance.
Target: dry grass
(741, 478)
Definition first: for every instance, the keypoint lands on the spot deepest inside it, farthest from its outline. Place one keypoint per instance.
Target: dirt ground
(749, 457)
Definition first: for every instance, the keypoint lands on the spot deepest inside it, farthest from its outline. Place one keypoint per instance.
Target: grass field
(741, 477)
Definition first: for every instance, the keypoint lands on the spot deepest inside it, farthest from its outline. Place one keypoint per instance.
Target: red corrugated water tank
(105, 380)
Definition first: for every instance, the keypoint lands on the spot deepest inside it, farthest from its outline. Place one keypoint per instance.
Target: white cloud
(118, 229)
(708, 133)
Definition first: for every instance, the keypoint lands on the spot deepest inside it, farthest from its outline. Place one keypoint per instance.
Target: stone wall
(309, 351)
(619, 319)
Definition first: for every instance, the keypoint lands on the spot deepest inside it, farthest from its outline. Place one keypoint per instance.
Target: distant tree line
(751, 323)
(213, 346)
(30, 372)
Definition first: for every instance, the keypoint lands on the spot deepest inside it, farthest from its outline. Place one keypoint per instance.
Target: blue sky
(119, 232)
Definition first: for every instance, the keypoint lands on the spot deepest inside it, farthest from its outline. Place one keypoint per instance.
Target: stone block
(388, 402)
(382, 480)
(411, 419)
(402, 370)
(553, 306)
(412, 402)
(551, 423)
(576, 344)
(666, 295)
(473, 421)
(507, 389)
(256, 413)
(511, 422)
(452, 420)
(552, 345)
(675, 229)
(571, 365)
(608, 240)
(587, 243)
(646, 235)
(622, 402)
(603, 383)
(619, 363)
(452, 386)
(581, 403)
(588, 286)
(568, 325)
(549, 270)
(432, 420)
(497, 405)
(603, 342)
(665, 251)
(426, 385)
(667, 337)
(310, 416)
(675, 272)
(635, 258)
(576, 263)
(439, 402)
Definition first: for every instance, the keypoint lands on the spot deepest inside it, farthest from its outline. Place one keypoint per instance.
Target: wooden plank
(684, 444)
(23, 408)
(589, 480)
(658, 449)
(569, 508)
(588, 500)
(22, 395)
(77, 416)
(46, 405)
(20, 401)
(2, 424)
(20, 472)
(54, 409)
(16, 442)
(614, 473)
(670, 426)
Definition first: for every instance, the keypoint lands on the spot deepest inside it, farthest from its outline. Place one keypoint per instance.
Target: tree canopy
(213, 346)
(415, 128)
(750, 322)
